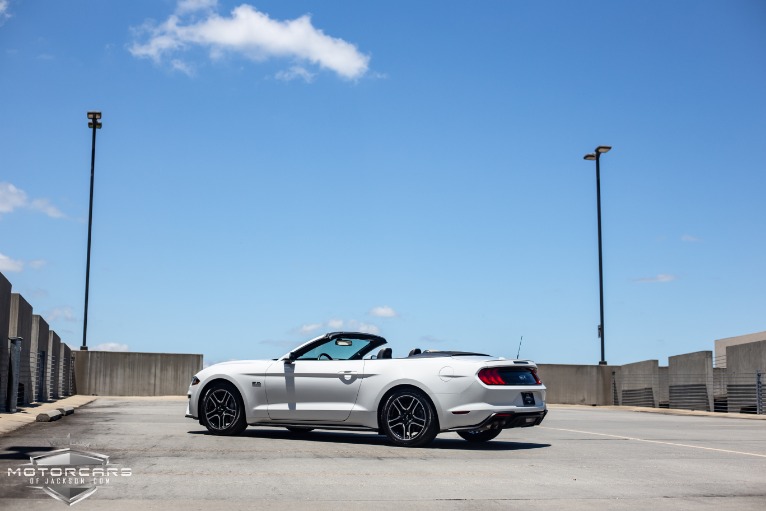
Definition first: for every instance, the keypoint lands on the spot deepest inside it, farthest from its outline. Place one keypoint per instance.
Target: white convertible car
(349, 380)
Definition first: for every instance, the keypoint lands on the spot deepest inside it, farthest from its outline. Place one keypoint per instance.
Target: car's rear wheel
(408, 418)
(223, 412)
(477, 435)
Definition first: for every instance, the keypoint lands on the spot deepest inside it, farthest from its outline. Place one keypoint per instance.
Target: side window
(336, 349)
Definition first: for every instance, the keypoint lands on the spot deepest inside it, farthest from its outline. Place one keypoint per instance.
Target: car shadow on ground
(364, 438)
(23, 452)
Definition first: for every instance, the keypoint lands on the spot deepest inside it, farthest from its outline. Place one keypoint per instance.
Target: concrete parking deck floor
(581, 458)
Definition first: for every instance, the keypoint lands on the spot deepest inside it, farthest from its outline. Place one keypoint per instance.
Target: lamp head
(94, 115)
(603, 149)
(589, 156)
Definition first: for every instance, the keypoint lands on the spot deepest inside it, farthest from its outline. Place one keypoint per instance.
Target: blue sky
(269, 171)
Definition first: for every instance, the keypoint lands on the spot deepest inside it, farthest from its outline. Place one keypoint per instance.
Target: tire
(223, 412)
(408, 419)
(475, 435)
(299, 430)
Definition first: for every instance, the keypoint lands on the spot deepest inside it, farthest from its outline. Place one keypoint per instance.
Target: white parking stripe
(657, 442)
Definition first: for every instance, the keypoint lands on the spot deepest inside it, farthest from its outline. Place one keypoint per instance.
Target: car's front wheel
(223, 412)
(408, 418)
(477, 435)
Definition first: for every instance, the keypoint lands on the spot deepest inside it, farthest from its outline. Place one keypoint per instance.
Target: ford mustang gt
(350, 380)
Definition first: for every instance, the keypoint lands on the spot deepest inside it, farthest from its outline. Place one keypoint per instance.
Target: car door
(313, 390)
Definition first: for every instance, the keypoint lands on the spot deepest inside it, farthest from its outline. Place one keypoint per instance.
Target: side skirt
(311, 425)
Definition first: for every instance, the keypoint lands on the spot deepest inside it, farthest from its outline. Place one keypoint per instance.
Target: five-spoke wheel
(222, 410)
(408, 418)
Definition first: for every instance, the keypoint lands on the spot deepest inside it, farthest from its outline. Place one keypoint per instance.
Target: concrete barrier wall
(744, 362)
(721, 345)
(690, 379)
(746, 358)
(21, 326)
(639, 384)
(5, 312)
(66, 370)
(108, 373)
(579, 384)
(40, 338)
(664, 392)
(54, 348)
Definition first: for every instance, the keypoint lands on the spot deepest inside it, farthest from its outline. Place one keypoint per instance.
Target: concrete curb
(50, 415)
(45, 411)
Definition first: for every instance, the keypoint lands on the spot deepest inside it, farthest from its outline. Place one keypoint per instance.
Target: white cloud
(358, 326)
(181, 66)
(17, 265)
(309, 328)
(61, 313)
(294, 73)
(690, 239)
(662, 277)
(4, 15)
(12, 198)
(254, 35)
(383, 311)
(44, 206)
(110, 346)
(185, 6)
(10, 265)
(334, 325)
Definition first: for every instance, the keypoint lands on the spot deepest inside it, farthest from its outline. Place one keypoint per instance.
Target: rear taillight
(491, 376)
(509, 376)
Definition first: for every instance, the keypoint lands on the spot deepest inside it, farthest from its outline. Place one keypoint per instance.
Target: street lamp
(95, 124)
(597, 157)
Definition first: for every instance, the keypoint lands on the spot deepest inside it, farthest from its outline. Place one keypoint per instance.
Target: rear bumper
(509, 419)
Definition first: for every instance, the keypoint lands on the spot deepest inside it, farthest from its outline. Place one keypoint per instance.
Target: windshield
(338, 349)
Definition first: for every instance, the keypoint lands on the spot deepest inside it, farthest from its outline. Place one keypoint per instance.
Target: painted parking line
(621, 437)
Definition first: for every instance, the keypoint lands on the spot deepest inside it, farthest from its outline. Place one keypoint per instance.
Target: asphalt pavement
(580, 458)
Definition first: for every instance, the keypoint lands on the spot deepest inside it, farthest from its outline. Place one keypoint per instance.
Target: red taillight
(491, 376)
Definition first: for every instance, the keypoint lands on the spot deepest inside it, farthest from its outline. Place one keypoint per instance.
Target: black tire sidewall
(431, 429)
(239, 424)
(483, 436)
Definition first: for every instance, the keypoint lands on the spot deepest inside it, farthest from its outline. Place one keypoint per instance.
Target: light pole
(597, 156)
(95, 124)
